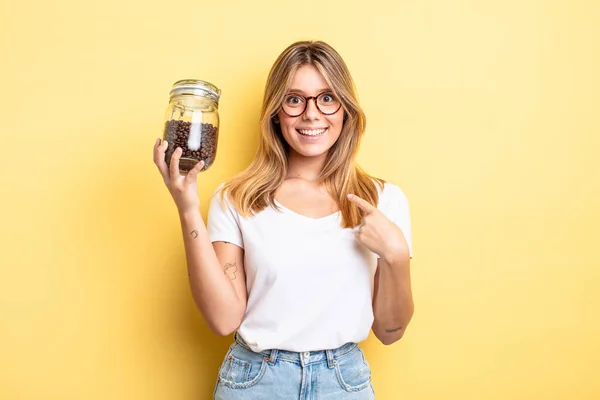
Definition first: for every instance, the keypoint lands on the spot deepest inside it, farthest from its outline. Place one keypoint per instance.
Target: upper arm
(376, 282)
(231, 260)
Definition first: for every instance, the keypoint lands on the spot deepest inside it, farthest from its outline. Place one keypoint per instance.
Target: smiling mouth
(312, 132)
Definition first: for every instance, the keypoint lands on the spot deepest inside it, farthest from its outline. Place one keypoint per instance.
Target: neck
(306, 168)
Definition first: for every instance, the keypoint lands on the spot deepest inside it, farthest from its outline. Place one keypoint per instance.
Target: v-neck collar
(292, 212)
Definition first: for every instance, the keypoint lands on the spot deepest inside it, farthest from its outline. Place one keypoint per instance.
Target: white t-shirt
(309, 282)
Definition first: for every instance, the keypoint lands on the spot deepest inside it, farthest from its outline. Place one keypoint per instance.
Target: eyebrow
(318, 91)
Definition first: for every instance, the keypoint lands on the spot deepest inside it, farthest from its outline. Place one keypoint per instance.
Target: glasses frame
(306, 100)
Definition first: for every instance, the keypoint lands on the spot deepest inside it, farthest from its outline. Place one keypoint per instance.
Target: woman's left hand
(378, 234)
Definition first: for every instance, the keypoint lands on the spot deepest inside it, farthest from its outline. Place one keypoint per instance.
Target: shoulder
(391, 193)
(220, 197)
(217, 192)
(219, 188)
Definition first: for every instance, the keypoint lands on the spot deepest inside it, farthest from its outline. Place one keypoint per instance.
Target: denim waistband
(304, 358)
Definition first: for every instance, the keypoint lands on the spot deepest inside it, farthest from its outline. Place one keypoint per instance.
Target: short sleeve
(394, 205)
(223, 221)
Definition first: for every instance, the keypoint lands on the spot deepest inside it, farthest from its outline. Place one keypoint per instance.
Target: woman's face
(312, 133)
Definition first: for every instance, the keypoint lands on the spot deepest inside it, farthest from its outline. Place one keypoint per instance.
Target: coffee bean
(197, 140)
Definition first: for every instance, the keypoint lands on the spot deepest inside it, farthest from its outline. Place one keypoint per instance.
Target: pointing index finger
(363, 204)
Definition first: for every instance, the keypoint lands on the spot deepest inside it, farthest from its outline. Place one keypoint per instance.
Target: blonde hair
(254, 188)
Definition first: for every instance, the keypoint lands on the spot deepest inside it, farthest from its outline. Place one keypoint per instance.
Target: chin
(313, 153)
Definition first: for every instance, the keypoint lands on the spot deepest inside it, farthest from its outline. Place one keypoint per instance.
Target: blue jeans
(337, 374)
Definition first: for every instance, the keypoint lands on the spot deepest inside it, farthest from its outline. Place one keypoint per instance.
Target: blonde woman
(303, 252)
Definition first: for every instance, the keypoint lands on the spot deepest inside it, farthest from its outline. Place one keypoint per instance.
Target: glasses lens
(294, 105)
(328, 103)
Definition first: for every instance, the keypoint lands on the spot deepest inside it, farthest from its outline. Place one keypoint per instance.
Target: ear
(276, 119)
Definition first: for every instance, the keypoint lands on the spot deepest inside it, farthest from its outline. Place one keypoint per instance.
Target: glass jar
(192, 123)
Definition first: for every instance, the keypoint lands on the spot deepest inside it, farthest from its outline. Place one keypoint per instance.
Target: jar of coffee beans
(192, 123)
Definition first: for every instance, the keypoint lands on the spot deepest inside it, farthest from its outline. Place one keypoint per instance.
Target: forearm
(393, 306)
(212, 290)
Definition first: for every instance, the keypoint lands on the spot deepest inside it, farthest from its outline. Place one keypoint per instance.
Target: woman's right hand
(183, 188)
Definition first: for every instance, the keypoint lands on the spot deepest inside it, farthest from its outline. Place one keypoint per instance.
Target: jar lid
(192, 86)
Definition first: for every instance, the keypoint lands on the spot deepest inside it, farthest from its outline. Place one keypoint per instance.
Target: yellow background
(486, 113)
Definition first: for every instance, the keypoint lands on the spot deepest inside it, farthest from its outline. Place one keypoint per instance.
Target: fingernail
(349, 196)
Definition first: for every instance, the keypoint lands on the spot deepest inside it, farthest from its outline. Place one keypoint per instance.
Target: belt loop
(237, 338)
(330, 359)
(273, 356)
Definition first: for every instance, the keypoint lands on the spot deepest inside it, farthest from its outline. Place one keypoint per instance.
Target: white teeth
(312, 132)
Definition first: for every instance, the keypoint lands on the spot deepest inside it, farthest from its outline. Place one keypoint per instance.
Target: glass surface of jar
(192, 123)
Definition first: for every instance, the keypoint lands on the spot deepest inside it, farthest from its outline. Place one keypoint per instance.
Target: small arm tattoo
(230, 270)
(393, 330)
(194, 234)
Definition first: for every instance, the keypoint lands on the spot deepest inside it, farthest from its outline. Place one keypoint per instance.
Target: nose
(311, 112)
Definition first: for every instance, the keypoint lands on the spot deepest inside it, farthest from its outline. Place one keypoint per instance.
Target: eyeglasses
(294, 105)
